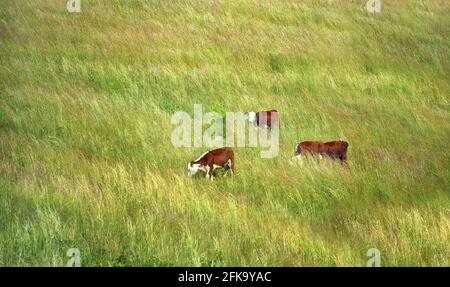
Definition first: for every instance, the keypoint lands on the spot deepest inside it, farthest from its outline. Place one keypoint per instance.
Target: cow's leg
(231, 160)
(230, 167)
(208, 171)
(226, 170)
(343, 158)
(224, 167)
(211, 171)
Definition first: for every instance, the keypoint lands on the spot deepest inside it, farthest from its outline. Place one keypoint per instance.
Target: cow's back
(310, 147)
(221, 156)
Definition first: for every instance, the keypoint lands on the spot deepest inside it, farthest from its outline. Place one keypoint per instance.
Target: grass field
(86, 159)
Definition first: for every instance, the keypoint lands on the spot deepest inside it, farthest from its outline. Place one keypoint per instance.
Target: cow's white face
(193, 169)
(252, 117)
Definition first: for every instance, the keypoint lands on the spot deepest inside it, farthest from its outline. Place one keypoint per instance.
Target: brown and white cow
(211, 160)
(264, 118)
(332, 149)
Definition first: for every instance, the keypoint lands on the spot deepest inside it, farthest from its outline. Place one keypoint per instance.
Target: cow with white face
(211, 160)
(264, 118)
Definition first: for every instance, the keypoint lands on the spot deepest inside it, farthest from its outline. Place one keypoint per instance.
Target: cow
(211, 160)
(264, 118)
(332, 149)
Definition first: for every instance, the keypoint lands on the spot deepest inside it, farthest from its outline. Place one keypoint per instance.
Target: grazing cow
(333, 149)
(266, 118)
(210, 160)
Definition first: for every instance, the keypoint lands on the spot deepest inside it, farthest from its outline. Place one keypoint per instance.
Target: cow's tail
(346, 145)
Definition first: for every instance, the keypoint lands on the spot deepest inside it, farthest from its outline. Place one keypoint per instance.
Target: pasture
(86, 159)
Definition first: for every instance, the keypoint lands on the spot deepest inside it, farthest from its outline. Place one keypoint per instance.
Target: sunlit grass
(86, 159)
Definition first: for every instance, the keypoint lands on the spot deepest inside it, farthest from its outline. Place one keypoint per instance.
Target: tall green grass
(86, 159)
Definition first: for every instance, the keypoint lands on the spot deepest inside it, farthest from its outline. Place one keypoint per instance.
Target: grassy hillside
(86, 159)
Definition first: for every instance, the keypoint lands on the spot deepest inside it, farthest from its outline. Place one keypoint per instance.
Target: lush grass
(86, 159)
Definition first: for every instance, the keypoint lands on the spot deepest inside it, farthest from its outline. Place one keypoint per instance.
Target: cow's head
(193, 168)
(251, 117)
